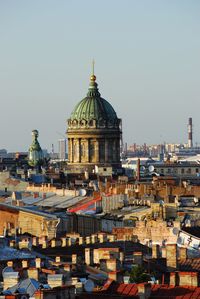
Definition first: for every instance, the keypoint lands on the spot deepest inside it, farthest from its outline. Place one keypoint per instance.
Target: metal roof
(63, 202)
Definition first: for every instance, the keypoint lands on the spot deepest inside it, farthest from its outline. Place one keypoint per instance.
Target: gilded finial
(93, 77)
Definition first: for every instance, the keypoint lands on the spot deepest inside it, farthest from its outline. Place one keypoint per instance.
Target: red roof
(157, 291)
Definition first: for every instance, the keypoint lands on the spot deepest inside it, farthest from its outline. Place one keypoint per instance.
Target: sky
(147, 63)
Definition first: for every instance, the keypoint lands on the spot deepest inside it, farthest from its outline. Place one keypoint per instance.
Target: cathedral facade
(94, 132)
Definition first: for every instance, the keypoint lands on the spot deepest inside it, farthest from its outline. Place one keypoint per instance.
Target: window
(182, 170)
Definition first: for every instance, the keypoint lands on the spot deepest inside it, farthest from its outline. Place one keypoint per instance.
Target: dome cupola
(93, 110)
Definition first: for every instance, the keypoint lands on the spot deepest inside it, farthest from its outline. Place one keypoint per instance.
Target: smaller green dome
(35, 156)
(93, 106)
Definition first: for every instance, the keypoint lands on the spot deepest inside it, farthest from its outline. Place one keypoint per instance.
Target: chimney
(102, 238)
(183, 253)
(174, 279)
(155, 251)
(138, 170)
(35, 195)
(190, 137)
(63, 242)
(163, 252)
(69, 242)
(53, 243)
(88, 240)
(121, 256)
(144, 290)
(38, 263)
(112, 238)
(94, 239)
(24, 264)
(88, 256)
(171, 256)
(35, 241)
(10, 264)
(57, 259)
(74, 258)
(81, 240)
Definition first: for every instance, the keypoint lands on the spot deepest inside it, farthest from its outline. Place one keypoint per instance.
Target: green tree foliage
(138, 275)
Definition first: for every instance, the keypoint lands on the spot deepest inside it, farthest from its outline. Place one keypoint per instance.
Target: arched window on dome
(92, 123)
(101, 123)
(75, 123)
(82, 123)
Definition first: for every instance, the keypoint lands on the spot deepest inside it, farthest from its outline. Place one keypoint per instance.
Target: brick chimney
(10, 264)
(163, 252)
(81, 240)
(35, 241)
(35, 195)
(174, 279)
(88, 240)
(144, 290)
(38, 263)
(171, 256)
(57, 260)
(155, 251)
(24, 264)
(94, 239)
(74, 258)
(102, 238)
(183, 253)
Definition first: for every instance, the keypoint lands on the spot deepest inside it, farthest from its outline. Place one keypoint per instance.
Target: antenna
(93, 63)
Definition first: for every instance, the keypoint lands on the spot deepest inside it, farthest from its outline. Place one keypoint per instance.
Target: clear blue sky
(147, 57)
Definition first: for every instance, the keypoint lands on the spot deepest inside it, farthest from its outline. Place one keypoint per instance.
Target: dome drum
(93, 123)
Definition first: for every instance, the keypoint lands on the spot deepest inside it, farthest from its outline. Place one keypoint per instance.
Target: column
(97, 150)
(79, 150)
(69, 150)
(106, 150)
(114, 151)
(87, 150)
(72, 150)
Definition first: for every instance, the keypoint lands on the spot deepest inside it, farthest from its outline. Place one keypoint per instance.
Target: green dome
(35, 152)
(93, 106)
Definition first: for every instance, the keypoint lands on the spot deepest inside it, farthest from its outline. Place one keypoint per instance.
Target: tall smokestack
(190, 141)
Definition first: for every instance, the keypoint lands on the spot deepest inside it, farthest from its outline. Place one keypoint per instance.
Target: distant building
(62, 149)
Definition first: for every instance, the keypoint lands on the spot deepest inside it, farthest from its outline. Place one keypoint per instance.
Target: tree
(138, 275)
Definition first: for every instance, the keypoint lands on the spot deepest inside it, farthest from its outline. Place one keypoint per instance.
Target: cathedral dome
(93, 106)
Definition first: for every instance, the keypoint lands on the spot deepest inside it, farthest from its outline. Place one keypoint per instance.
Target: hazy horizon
(147, 63)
